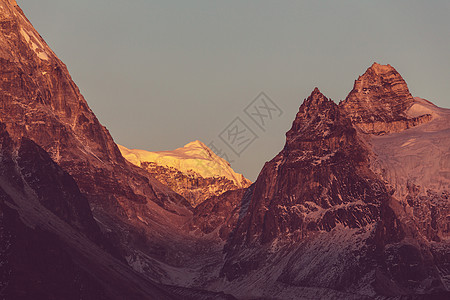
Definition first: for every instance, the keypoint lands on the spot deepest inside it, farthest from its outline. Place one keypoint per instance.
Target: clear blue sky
(159, 74)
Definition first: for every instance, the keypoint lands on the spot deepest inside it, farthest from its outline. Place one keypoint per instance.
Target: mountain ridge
(194, 171)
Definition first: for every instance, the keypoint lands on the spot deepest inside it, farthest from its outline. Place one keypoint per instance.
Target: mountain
(143, 219)
(40, 102)
(193, 171)
(104, 228)
(50, 246)
(356, 204)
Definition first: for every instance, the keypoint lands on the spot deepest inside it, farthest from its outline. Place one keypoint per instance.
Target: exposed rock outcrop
(379, 101)
(320, 217)
(39, 100)
(321, 177)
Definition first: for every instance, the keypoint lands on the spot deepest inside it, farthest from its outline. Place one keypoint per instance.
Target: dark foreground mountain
(50, 246)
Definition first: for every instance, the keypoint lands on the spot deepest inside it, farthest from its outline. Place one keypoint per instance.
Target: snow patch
(34, 43)
(409, 142)
(322, 159)
(142, 220)
(418, 156)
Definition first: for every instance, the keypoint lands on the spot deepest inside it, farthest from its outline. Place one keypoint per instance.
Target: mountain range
(355, 206)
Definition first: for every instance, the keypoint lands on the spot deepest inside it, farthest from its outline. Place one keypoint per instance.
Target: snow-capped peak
(193, 157)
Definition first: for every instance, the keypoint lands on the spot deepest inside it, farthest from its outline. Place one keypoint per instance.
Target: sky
(160, 74)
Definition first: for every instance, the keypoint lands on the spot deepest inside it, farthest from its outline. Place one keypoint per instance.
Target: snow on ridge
(419, 155)
(35, 44)
(193, 157)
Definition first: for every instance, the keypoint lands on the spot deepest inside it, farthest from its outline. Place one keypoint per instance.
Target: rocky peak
(380, 69)
(322, 172)
(318, 118)
(381, 87)
(321, 196)
(379, 101)
(316, 98)
(316, 113)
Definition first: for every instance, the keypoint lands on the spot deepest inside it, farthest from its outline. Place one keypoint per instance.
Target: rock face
(193, 171)
(27, 164)
(144, 219)
(321, 177)
(379, 101)
(40, 102)
(219, 213)
(50, 245)
(321, 216)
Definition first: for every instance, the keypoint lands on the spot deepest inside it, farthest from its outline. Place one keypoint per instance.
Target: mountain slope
(193, 171)
(329, 214)
(144, 219)
(39, 101)
(416, 164)
(50, 246)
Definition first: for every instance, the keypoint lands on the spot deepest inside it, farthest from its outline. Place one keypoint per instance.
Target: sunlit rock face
(319, 177)
(40, 101)
(379, 101)
(193, 171)
(326, 212)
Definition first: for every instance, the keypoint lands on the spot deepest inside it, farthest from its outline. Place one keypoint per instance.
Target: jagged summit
(318, 117)
(327, 195)
(379, 101)
(380, 69)
(316, 98)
